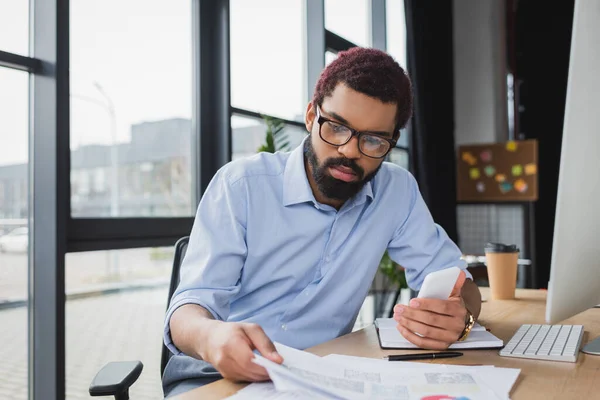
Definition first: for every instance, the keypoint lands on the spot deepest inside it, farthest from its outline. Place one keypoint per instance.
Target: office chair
(115, 378)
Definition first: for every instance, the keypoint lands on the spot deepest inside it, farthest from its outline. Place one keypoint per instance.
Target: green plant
(274, 137)
(394, 273)
(159, 254)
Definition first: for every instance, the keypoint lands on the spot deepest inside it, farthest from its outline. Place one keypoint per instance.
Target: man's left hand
(440, 322)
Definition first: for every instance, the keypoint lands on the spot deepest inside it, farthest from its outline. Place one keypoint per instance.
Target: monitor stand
(592, 347)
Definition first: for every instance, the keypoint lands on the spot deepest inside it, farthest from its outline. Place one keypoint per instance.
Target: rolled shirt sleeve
(211, 269)
(420, 245)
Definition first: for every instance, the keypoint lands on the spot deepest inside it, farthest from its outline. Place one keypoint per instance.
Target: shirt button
(327, 259)
(284, 327)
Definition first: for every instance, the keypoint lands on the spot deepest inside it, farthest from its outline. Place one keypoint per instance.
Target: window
(248, 135)
(267, 57)
(329, 57)
(396, 30)
(99, 182)
(295, 134)
(131, 102)
(399, 157)
(403, 139)
(349, 19)
(14, 242)
(396, 47)
(14, 26)
(127, 291)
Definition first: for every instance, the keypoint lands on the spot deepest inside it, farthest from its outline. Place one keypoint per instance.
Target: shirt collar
(365, 193)
(296, 188)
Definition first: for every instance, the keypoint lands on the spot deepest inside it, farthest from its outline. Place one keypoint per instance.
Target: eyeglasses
(336, 134)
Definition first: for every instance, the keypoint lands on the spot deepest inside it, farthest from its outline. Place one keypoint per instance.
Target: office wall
(479, 71)
(481, 114)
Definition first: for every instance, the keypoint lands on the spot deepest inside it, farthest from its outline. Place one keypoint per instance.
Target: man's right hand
(229, 348)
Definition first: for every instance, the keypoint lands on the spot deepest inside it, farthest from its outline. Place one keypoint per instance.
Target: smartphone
(439, 284)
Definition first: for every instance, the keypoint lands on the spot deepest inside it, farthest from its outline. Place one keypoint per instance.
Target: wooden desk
(538, 379)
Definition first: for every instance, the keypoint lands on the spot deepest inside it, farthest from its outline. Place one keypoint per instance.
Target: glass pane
(350, 19)
(403, 139)
(294, 135)
(14, 26)
(14, 117)
(131, 104)
(267, 57)
(127, 292)
(399, 157)
(329, 57)
(249, 134)
(396, 30)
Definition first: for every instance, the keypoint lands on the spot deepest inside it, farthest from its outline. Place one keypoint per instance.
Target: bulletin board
(498, 172)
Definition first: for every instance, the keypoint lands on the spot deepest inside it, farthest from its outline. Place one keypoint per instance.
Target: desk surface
(538, 379)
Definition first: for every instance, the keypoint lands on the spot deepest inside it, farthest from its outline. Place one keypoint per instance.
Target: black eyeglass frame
(353, 132)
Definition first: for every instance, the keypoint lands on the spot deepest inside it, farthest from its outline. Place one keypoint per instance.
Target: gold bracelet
(468, 326)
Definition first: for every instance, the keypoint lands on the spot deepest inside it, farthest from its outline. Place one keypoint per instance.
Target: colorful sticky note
(480, 187)
(520, 186)
(489, 171)
(517, 170)
(500, 178)
(469, 158)
(511, 146)
(505, 187)
(486, 156)
(530, 169)
(474, 173)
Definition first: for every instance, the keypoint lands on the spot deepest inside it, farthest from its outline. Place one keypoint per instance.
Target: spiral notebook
(391, 338)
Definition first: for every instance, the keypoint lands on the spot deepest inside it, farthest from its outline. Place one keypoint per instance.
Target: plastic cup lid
(501, 248)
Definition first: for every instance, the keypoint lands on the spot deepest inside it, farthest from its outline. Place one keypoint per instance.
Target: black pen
(423, 356)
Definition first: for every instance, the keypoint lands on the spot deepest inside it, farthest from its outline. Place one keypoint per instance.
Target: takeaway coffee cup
(501, 261)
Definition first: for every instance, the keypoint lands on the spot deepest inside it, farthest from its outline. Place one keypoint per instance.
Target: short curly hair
(372, 72)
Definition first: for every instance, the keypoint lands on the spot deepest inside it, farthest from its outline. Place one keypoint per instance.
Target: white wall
(479, 71)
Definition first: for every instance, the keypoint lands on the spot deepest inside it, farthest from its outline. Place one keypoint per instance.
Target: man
(285, 246)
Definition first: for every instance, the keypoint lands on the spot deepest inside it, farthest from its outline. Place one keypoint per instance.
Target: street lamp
(112, 256)
(114, 153)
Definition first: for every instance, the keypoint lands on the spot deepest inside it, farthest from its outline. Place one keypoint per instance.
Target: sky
(137, 55)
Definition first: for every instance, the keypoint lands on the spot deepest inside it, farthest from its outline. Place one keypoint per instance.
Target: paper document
(500, 380)
(267, 391)
(320, 377)
(391, 338)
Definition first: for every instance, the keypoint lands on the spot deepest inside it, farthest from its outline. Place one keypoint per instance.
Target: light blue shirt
(263, 250)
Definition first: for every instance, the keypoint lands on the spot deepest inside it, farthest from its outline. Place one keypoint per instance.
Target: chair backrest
(180, 249)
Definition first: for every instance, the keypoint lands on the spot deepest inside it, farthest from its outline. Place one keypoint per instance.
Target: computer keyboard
(545, 342)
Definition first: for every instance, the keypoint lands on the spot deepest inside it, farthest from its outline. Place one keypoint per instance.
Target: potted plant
(275, 138)
(396, 281)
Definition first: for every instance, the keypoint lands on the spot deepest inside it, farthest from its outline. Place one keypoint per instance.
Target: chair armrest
(115, 379)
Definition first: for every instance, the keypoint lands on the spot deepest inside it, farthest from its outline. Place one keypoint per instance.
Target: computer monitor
(574, 284)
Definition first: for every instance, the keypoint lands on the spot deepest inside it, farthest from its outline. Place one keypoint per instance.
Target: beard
(329, 186)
